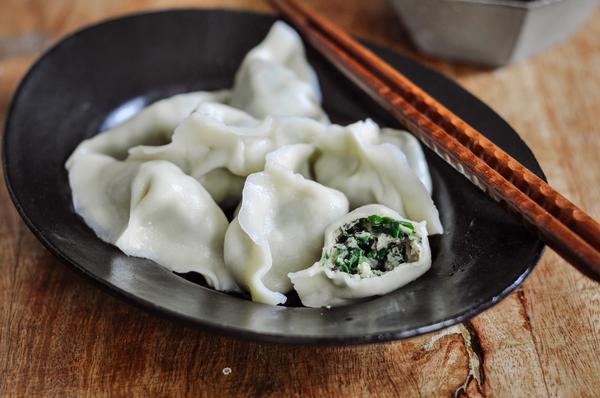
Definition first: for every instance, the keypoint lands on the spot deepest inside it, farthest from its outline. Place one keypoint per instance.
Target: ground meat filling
(372, 246)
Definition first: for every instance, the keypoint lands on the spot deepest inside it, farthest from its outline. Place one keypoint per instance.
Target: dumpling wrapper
(102, 186)
(219, 139)
(410, 146)
(100, 181)
(276, 80)
(280, 224)
(353, 161)
(101, 191)
(320, 286)
(174, 221)
(153, 125)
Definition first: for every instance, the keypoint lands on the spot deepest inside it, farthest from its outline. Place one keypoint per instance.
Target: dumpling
(153, 125)
(214, 136)
(101, 192)
(202, 144)
(276, 80)
(100, 181)
(280, 224)
(352, 161)
(174, 222)
(218, 140)
(410, 146)
(370, 251)
(151, 210)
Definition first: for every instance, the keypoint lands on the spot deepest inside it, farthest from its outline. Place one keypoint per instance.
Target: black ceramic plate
(99, 73)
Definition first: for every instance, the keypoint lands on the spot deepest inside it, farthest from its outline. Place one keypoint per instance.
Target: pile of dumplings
(156, 185)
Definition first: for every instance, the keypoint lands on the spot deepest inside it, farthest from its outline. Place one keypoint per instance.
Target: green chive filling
(372, 246)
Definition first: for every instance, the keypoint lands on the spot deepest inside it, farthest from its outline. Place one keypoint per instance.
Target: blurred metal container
(490, 32)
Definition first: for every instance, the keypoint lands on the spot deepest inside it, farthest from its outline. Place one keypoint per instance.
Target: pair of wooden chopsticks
(563, 226)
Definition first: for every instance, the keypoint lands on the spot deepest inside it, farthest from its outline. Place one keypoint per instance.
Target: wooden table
(62, 336)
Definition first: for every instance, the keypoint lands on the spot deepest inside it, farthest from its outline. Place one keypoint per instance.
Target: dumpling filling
(370, 251)
(373, 245)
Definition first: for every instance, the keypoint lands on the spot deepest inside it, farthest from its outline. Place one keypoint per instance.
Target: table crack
(476, 356)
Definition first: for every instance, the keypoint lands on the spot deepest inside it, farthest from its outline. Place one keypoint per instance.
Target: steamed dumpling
(218, 139)
(104, 187)
(100, 181)
(215, 136)
(370, 251)
(101, 192)
(174, 221)
(153, 125)
(352, 161)
(276, 80)
(202, 144)
(410, 146)
(280, 224)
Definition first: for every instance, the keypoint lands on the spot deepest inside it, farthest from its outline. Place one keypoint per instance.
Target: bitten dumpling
(370, 251)
(352, 160)
(276, 80)
(174, 221)
(280, 224)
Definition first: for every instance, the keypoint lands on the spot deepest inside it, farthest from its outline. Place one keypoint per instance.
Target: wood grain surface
(62, 336)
